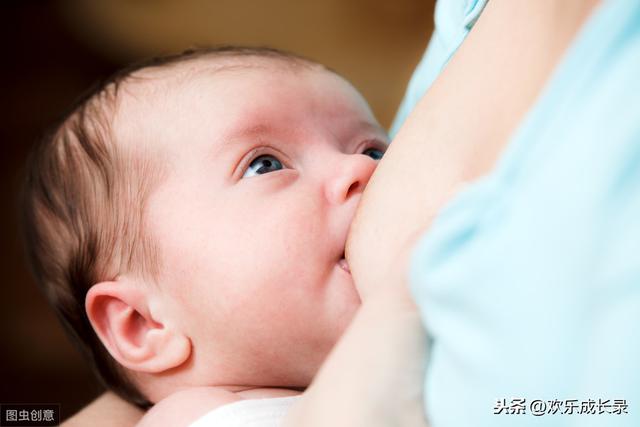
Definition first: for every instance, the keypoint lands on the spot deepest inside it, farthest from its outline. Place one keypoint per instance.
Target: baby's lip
(342, 263)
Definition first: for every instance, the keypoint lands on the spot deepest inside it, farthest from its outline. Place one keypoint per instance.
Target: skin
(251, 219)
(459, 128)
(455, 134)
(120, 413)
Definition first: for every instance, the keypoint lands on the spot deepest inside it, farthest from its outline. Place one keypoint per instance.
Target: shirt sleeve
(528, 282)
(453, 21)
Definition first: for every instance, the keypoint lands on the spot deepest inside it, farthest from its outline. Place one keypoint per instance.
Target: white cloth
(248, 413)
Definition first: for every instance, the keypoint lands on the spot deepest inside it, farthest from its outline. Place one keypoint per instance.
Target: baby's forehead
(153, 88)
(207, 99)
(160, 89)
(146, 91)
(150, 80)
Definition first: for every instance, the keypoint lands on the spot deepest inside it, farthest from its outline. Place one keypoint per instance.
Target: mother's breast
(458, 129)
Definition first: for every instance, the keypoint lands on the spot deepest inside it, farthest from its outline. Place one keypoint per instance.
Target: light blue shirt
(528, 281)
(453, 21)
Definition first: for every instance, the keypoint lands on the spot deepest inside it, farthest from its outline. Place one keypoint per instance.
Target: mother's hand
(107, 410)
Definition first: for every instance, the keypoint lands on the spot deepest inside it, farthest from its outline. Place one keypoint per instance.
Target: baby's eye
(374, 153)
(263, 164)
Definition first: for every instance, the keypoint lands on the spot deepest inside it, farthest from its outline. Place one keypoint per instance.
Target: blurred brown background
(53, 50)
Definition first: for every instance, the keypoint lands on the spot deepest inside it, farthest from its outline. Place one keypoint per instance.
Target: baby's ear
(120, 315)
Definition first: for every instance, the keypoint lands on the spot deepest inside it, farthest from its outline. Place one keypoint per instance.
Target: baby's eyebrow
(243, 133)
(371, 128)
(252, 130)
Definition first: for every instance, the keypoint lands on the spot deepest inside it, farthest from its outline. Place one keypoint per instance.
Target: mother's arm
(459, 128)
(107, 410)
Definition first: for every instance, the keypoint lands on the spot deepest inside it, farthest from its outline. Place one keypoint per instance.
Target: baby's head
(188, 219)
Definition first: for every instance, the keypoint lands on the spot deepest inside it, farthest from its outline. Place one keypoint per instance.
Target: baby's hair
(83, 206)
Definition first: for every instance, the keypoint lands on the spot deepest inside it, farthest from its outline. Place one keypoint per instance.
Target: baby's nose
(350, 177)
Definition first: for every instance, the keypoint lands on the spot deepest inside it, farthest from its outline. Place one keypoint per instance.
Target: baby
(188, 223)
